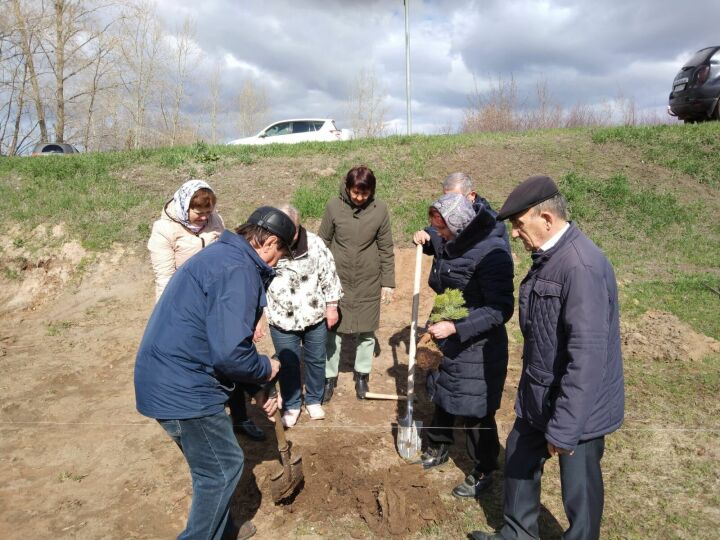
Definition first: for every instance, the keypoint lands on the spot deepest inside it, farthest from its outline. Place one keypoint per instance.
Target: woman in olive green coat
(356, 228)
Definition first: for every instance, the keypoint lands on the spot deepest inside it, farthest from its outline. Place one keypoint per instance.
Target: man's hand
(556, 450)
(386, 295)
(442, 329)
(420, 238)
(274, 368)
(270, 404)
(259, 332)
(331, 315)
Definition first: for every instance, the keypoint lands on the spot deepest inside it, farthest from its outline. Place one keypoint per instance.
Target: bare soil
(77, 460)
(662, 336)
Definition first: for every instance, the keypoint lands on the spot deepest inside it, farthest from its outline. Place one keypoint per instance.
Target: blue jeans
(289, 346)
(216, 463)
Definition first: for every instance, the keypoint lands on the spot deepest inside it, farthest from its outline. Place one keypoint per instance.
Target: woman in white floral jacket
(302, 305)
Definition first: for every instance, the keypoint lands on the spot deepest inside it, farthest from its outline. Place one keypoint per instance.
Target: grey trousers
(580, 476)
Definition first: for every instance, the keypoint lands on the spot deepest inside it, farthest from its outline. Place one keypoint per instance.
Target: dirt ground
(77, 460)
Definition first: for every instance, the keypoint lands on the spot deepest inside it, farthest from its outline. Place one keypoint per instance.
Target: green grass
(690, 149)
(638, 227)
(663, 240)
(687, 296)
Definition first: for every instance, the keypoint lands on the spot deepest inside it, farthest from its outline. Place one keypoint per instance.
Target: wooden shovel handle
(413, 326)
(279, 429)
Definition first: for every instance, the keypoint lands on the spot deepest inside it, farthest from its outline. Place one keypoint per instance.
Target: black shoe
(330, 384)
(361, 384)
(250, 430)
(475, 483)
(479, 535)
(434, 456)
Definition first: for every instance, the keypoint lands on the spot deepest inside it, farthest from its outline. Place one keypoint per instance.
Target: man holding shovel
(197, 345)
(571, 391)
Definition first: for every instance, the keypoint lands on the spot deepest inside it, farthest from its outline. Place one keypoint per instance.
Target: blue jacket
(470, 379)
(571, 386)
(199, 339)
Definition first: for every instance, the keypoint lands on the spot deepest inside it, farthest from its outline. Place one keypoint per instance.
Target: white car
(295, 131)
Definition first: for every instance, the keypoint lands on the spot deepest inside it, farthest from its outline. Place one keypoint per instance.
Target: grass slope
(648, 196)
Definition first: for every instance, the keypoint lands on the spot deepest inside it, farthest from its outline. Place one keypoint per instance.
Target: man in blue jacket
(197, 345)
(571, 391)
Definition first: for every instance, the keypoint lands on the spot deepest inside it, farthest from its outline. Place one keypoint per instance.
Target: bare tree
(100, 80)
(366, 104)
(494, 110)
(253, 108)
(28, 26)
(546, 114)
(186, 58)
(214, 101)
(142, 58)
(581, 115)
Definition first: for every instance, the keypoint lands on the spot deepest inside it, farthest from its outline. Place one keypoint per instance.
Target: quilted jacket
(571, 386)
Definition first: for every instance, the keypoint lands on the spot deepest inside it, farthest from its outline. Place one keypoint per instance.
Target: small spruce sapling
(448, 306)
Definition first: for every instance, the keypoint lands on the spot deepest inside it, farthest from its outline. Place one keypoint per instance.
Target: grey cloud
(588, 52)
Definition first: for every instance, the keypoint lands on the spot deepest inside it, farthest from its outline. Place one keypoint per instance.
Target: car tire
(716, 113)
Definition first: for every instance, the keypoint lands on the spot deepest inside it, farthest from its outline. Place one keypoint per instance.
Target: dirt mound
(662, 336)
(340, 483)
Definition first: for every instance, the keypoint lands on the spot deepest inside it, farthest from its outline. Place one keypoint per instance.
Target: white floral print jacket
(303, 286)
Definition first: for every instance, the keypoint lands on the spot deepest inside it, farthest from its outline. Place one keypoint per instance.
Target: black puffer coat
(472, 374)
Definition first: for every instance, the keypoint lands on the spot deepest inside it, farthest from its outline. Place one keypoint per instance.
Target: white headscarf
(182, 202)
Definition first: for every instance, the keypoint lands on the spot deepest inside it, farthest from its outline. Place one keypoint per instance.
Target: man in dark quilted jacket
(571, 391)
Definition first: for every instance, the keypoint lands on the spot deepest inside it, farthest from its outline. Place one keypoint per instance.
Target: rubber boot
(361, 384)
(330, 384)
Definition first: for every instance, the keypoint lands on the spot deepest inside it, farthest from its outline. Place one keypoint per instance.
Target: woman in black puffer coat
(471, 254)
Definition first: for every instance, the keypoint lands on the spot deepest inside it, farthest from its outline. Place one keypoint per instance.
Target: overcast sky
(306, 53)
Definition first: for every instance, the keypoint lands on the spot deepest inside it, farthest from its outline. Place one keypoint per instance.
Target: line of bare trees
(499, 108)
(100, 74)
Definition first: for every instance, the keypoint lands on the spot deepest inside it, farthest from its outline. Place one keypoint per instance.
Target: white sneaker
(315, 411)
(290, 417)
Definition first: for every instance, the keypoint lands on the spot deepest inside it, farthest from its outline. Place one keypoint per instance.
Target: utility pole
(407, 65)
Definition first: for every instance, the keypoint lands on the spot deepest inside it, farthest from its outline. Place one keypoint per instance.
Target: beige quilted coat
(171, 244)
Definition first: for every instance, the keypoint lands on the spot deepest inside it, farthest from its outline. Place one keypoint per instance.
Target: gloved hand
(386, 295)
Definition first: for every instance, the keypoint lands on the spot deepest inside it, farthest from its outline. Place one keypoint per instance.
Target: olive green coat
(360, 240)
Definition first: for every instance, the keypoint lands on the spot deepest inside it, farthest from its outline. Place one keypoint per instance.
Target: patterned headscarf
(182, 200)
(456, 210)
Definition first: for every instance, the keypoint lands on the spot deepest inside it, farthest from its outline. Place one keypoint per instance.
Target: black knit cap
(274, 221)
(532, 191)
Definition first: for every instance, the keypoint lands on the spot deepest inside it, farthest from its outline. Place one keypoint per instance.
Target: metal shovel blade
(408, 438)
(288, 478)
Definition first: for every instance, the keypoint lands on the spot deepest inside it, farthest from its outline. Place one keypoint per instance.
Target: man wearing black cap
(197, 345)
(571, 391)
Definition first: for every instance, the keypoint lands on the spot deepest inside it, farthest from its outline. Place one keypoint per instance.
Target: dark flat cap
(274, 221)
(532, 191)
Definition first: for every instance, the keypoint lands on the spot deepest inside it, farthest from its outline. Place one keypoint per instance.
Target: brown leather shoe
(247, 530)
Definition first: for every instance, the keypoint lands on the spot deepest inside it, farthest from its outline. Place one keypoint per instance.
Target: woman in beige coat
(187, 224)
(356, 228)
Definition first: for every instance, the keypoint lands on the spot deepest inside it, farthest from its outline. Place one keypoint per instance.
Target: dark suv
(696, 88)
(43, 149)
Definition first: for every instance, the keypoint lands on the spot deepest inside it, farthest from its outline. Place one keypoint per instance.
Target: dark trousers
(236, 403)
(481, 437)
(580, 477)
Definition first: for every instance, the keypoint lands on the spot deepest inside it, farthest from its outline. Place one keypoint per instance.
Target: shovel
(286, 479)
(408, 439)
